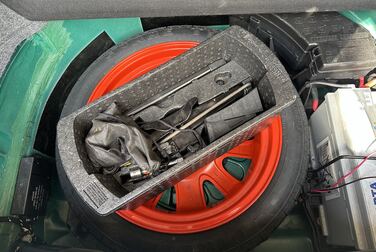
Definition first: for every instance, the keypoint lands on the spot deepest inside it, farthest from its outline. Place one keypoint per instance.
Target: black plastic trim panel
(73, 9)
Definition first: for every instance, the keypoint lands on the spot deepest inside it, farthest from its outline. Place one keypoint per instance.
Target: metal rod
(204, 113)
(197, 75)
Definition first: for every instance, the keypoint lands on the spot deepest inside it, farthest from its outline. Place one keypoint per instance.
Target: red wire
(315, 104)
(361, 82)
(341, 179)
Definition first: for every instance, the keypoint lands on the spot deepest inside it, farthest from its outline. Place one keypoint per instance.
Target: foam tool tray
(101, 192)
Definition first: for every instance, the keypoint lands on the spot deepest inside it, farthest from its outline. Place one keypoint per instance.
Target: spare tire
(242, 218)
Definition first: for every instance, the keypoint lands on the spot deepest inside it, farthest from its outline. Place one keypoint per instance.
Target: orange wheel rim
(192, 213)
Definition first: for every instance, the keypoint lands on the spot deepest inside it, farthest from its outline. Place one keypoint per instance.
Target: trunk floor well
(55, 224)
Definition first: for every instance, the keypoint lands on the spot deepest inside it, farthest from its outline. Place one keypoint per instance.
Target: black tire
(242, 233)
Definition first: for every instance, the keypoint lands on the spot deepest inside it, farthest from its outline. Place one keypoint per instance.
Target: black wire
(340, 158)
(346, 184)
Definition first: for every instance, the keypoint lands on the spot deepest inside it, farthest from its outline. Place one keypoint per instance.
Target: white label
(325, 155)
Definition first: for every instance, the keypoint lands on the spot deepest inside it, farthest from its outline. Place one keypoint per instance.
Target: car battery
(345, 124)
(233, 55)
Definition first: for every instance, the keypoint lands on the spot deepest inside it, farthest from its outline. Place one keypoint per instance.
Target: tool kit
(140, 139)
